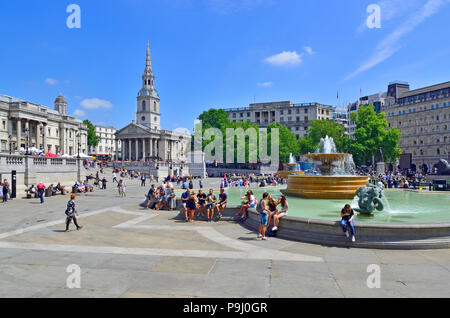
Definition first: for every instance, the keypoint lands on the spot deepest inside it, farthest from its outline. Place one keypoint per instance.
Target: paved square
(127, 251)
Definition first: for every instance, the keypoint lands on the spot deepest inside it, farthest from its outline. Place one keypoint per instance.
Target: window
(234, 115)
(4, 125)
(3, 145)
(306, 111)
(143, 118)
(281, 112)
(289, 112)
(241, 115)
(143, 105)
(154, 106)
(248, 114)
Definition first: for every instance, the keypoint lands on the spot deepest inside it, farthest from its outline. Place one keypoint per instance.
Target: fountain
(337, 179)
(291, 168)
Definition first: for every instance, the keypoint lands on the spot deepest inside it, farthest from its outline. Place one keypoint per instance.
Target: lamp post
(79, 145)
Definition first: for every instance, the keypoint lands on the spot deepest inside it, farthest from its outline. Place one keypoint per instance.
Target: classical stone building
(296, 117)
(107, 141)
(23, 123)
(423, 117)
(144, 138)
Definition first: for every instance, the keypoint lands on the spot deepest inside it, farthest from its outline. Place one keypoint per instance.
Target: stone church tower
(148, 113)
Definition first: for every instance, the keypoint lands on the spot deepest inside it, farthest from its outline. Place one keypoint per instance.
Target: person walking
(41, 191)
(72, 213)
(5, 191)
(115, 177)
(143, 180)
(104, 181)
(123, 187)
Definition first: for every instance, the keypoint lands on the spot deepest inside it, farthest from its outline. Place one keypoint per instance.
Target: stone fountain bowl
(328, 158)
(324, 187)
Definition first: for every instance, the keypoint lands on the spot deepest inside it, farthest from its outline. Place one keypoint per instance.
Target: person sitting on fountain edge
(347, 215)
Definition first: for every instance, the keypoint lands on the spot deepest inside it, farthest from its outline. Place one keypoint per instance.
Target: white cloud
(285, 59)
(95, 103)
(389, 45)
(79, 113)
(51, 81)
(308, 50)
(265, 84)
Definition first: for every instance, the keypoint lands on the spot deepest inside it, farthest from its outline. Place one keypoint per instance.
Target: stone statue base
(381, 168)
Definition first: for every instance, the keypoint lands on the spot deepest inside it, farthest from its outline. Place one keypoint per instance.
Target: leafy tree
(371, 134)
(288, 141)
(320, 129)
(93, 139)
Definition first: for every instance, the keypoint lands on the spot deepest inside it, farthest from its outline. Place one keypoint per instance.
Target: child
(347, 219)
(264, 212)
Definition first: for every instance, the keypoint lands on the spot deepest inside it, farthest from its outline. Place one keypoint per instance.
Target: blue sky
(216, 53)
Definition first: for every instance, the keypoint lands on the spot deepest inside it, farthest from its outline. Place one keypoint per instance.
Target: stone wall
(32, 170)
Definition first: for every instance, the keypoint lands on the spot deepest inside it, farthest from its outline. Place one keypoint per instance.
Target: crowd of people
(400, 180)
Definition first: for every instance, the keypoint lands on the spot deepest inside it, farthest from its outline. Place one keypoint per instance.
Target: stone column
(129, 149)
(136, 144)
(19, 133)
(27, 140)
(143, 149)
(44, 136)
(116, 144)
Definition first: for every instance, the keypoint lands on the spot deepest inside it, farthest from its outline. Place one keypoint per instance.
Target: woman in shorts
(191, 205)
(282, 213)
(250, 202)
(263, 210)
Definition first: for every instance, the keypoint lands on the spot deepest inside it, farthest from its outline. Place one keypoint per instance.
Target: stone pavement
(127, 251)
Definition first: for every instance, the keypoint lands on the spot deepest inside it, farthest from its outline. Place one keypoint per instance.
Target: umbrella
(51, 155)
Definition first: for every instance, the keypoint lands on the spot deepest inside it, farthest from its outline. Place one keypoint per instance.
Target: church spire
(148, 62)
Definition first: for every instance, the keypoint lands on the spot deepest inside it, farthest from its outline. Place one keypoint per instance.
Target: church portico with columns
(144, 141)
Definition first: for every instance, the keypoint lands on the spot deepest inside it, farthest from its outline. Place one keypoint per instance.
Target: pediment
(132, 129)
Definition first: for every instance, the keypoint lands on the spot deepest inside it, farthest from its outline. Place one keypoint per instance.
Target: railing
(14, 160)
(39, 161)
(56, 161)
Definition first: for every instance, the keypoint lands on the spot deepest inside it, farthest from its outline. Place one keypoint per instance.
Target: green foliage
(218, 118)
(371, 134)
(93, 139)
(288, 141)
(320, 129)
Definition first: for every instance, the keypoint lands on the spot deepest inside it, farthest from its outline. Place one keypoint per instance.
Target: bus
(102, 158)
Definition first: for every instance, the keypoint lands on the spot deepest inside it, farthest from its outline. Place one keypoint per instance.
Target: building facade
(143, 138)
(423, 117)
(107, 141)
(25, 124)
(377, 100)
(296, 117)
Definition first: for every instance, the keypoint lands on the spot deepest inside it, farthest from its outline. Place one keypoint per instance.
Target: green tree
(320, 129)
(371, 134)
(93, 139)
(218, 118)
(288, 141)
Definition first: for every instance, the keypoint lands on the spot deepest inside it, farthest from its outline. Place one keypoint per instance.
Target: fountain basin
(324, 187)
